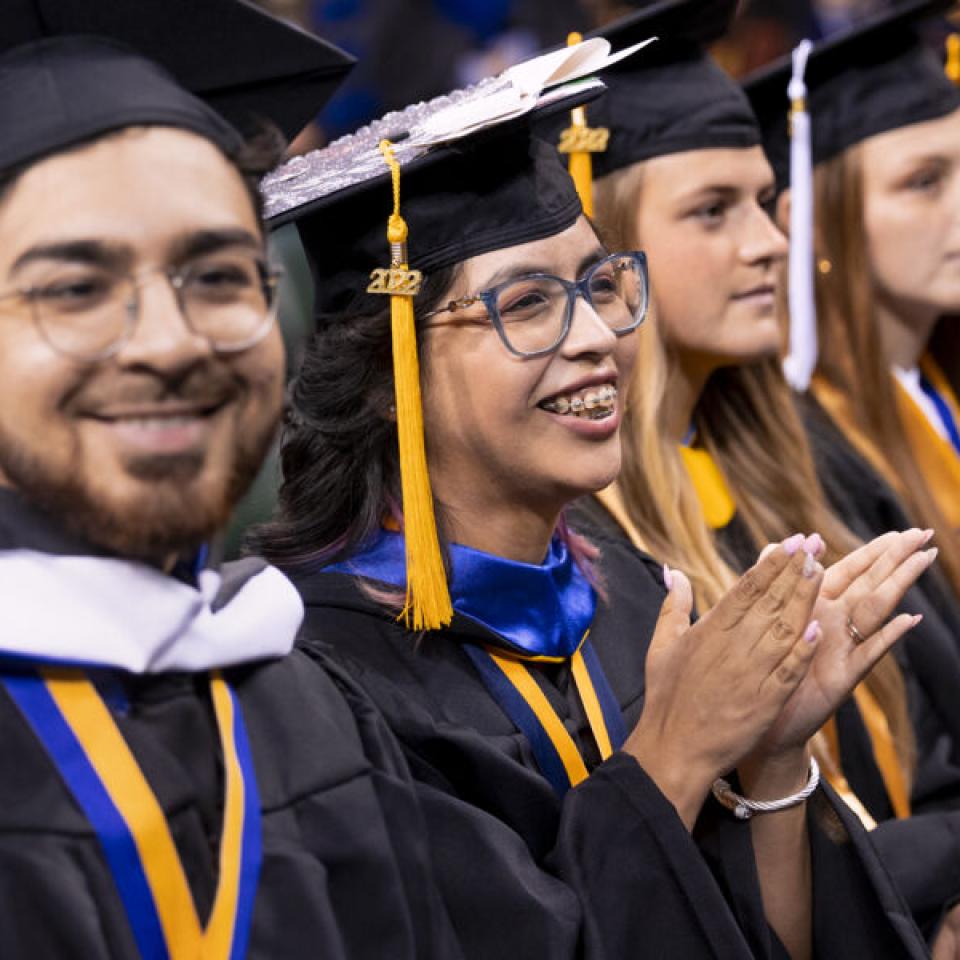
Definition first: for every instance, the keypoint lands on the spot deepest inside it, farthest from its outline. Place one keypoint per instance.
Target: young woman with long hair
(560, 694)
(716, 461)
(886, 151)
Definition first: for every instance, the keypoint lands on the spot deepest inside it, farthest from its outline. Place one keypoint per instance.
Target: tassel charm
(579, 141)
(428, 605)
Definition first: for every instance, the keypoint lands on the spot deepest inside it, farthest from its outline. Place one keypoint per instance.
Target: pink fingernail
(793, 544)
(810, 566)
(813, 628)
(927, 536)
(917, 619)
(667, 577)
(813, 544)
(932, 553)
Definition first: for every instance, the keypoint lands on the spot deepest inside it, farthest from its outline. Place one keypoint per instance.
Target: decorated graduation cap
(876, 77)
(71, 70)
(415, 192)
(675, 97)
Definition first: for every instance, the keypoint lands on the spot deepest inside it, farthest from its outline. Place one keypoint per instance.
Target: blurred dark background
(410, 50)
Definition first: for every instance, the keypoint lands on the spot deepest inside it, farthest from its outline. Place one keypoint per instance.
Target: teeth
(595, 403)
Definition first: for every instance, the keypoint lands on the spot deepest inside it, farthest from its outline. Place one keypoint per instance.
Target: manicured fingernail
(810, 565)
(932, 554)
(794, 543)
(813, 628)
(667, 577)
(927, 536)
(917, 618)
(813, 544)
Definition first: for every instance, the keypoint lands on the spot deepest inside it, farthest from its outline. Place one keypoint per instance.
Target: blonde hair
(746, 419)
(852, 358)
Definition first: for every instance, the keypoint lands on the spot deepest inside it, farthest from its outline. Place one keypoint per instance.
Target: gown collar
(536, 610)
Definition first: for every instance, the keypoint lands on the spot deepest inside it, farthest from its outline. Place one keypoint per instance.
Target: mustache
(201, 386)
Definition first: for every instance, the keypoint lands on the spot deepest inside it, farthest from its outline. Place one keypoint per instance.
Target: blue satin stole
(537, 613)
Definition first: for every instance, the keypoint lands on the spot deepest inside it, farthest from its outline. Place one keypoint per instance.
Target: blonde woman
(715, 457)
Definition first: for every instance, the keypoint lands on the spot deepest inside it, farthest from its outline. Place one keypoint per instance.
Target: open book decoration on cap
(355, 158)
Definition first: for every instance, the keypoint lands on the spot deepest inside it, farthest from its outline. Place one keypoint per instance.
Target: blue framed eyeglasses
(532, 314)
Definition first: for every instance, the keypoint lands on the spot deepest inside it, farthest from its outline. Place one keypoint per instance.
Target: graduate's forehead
(136, 190)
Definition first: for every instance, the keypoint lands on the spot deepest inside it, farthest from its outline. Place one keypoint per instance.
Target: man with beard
(158, 797)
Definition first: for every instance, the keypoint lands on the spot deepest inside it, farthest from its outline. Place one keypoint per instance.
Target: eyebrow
(727, 192)
(210, 241)
(99, 253)
(91, 252)
(517, 270)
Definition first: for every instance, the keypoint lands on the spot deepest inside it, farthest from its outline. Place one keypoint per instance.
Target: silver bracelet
(743, 808)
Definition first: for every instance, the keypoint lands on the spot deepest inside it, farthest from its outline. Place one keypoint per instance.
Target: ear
(782, 211)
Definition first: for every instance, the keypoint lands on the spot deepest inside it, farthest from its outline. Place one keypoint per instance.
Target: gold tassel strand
(579, 141)
(952, 68)
(428, 605)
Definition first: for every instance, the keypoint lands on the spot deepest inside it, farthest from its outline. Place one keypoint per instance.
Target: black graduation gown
(345, 870)
(645, 887)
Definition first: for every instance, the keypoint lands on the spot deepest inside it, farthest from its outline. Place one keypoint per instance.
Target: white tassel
(802, 359)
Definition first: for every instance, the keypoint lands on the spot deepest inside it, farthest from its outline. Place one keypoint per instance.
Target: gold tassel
(428, 604)
(579, 141)
(952, 68)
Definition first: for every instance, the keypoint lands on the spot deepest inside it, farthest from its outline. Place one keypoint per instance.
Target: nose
(162, 339)
(763, 242)
(589, 333)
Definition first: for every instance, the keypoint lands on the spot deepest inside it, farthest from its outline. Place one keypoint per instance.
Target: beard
(177, 509)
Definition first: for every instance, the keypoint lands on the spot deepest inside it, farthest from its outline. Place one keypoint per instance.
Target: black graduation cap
(674, 97)
(878, 76)
(73, 69)
(495, 188)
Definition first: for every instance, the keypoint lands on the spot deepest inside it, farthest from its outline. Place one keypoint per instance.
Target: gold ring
(855, 635)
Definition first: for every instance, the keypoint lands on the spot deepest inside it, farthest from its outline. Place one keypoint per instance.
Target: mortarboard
(876, 77)
(422, 189)
(824, 99)
(676, 97)
(73, 69)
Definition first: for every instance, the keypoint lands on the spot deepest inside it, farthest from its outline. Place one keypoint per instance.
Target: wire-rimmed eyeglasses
(88, 312)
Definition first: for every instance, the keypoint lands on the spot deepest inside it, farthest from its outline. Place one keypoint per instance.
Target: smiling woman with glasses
(466, 383)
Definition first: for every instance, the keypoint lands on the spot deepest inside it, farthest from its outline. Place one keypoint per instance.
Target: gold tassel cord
(428, 605)
(952, 68)
(579, 141)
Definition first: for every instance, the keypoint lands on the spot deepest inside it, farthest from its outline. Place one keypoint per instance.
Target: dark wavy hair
(339, 457)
